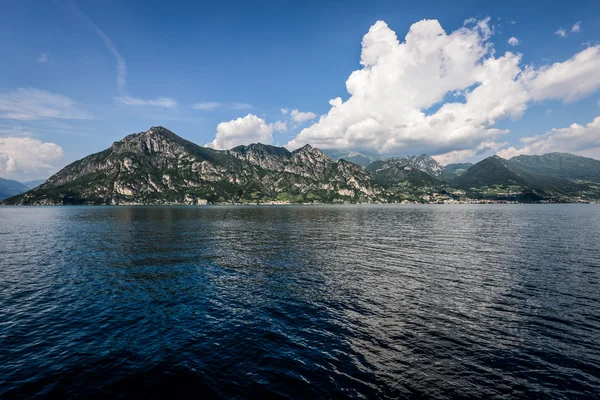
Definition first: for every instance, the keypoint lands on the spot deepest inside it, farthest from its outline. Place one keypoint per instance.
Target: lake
(366, 301)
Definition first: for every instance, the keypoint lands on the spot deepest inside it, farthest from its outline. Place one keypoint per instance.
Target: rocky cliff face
(422, 163)
(159, 167)
(414, 170)
(310, 169)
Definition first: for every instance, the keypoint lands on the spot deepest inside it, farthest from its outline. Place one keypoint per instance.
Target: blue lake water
(475, 301)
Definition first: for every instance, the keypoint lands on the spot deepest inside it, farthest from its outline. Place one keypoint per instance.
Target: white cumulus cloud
(513, 41)
(569, 80)
(31, 104)
(399, 82)
(577, 139)
(438, 93)
(246, 130)
(561, 32)
(27, 158)
(299, 116)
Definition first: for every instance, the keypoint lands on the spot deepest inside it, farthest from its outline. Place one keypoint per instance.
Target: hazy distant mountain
(453, 170)
(159, 167)
(33, 184)
(361, 158)
(561, 165)
(423, 163)
(490, 172)
(10, 188)
(497, 178)
(397, 171)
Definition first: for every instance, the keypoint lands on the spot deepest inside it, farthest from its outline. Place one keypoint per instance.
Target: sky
(459, 81)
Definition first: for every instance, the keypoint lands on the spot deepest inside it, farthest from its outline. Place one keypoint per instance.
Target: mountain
(309, 167)
(415, 169)
(10, 188)
(394, 171)
(423, 163)
(497, 178)
(403, 182)
(561, 165)
(453, 170)
(33, 184)
(362, 159)
(159, 167)
(490, 171)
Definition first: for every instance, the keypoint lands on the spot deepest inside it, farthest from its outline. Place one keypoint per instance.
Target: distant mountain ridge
(361, 158)
(9, 188)
(560, 165)
(159, 167)
(497, 178)
(422, 163)
(453, 170)
(33, 184)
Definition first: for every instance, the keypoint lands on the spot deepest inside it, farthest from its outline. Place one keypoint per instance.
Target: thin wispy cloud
(32, 104)
(162, 102)
(213, 105)
(43, 58)
(240, 106)
(121, 66)
(206, 106)
(16, 131)
(576, 27)
(561, 32)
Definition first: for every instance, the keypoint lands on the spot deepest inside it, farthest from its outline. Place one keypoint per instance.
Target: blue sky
(79, 75)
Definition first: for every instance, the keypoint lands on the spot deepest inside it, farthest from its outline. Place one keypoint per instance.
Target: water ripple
(302, 302)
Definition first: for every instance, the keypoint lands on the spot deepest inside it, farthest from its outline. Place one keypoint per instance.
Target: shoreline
(298, 204)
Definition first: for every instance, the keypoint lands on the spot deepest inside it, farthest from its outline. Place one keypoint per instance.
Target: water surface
(387, 301)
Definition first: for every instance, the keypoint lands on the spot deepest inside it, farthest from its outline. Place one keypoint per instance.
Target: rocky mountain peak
(308, 152)
(422, 163)
(265, 156)
(306, 147)
(157, 139)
